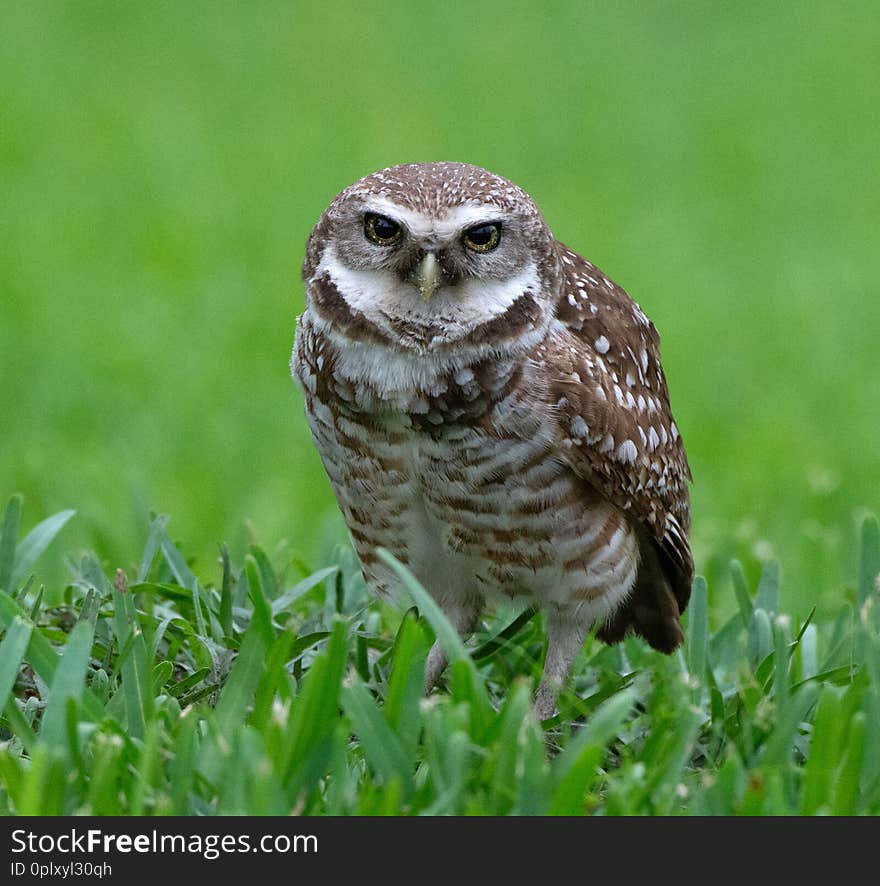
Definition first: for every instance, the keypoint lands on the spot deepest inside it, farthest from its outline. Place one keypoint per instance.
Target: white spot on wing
(601, 344)
(579, 427)
(627, 451)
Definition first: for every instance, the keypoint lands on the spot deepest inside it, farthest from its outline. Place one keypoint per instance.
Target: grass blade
(35, 542)
(136, 675)
(405, 685)
(162, 674)
(513, 761)
(186, 578)
(382, 747)
(780, 745)
(760, 637)
(9, 541)
(226, 593)
(846, 790)
(184, 765)
(824, 752)
(176, 690)
(291, 595)
(503, 637)
(275, 679)
(154, 541)
(12, 651)
(741, 589)
(767, 596)
(314, 715)
(43, 788)
(69, 683)
(41, 655)
(698, 630)
(243, 680)
(268, 579)
(262, 617)
(20, 727)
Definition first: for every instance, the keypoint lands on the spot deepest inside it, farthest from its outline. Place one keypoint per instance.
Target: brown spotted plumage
(491, 408)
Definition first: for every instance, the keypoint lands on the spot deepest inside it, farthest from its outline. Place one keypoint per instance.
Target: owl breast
(455, 474)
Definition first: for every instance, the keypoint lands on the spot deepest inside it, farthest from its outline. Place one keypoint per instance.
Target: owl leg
(463, 615)
(566, 633)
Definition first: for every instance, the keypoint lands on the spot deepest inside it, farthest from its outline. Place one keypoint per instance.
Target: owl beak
(428, 275)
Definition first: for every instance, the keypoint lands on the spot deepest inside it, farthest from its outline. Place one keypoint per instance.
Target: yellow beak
(428, 275)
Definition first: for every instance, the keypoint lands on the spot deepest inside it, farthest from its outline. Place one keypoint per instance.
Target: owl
(490, 407)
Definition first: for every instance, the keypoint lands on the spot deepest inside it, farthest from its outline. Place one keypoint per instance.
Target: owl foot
(434, 667)
(545, 702)
(566, 633)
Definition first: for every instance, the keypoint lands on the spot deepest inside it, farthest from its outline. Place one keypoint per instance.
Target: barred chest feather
(449, 463)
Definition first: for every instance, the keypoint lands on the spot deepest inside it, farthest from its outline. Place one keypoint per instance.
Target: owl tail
(653, 609)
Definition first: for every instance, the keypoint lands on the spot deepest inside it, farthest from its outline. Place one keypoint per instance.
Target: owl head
(428, 255)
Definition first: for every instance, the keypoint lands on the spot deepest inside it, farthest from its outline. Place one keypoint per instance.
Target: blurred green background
(161, 166)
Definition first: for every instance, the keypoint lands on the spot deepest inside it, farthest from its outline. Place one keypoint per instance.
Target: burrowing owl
(491, 408)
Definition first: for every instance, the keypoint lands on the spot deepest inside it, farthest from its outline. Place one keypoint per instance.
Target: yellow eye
(381, 230)
(482, 238)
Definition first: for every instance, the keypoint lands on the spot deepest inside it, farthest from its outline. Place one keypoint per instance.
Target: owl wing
(615, 426)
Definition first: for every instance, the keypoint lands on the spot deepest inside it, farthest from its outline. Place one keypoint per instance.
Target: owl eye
(381, 230)
(482, 238)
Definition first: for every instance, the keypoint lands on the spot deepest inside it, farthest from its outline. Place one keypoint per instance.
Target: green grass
(272, 690)
(161, 165)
